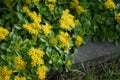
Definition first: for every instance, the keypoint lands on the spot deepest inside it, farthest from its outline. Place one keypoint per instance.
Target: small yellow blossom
(36, 56)
(109, 4)
(41, 72)
(67, 20)
(5, 73)
(7, 1)
(27, 1)
(117, 17)
(3, 33)
(77, 21)
(36, 18)
(51, 7)
(33, 28)
(53, 41)
(74, 3)
(78, 41)
(64, 36)
(19, 63)
(64, 39)
(25, 9)
(51, 0)
(46, 29)
(79, 9)
(19, 78)
(68, 63)
(65, 45)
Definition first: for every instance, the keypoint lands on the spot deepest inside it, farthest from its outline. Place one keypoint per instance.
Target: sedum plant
(105, 20)
(37, 36)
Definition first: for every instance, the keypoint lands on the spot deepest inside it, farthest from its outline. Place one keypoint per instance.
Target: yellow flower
(5, 73)
(64, 39)
(51, 7)
(77, 21)
(36, 18)
(79, 9)
(27, 1)
(78, 41)
(117, 17)
(3, 33)
(64, 36)
(19, 63)
(36, 56)
(74, 3)
(25, 9)
(109, 4)
(7, 1)
(53, 41)
(46, 29)
(67, 20)
(41, 72)
(33, 28)
(65, 45)
(51, 0)
(19, 78)
(68, 63)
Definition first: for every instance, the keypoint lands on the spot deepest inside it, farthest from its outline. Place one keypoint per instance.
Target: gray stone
(96, 52)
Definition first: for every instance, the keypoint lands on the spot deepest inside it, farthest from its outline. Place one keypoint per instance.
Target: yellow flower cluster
(67, 20)
(77, 21)
(36, 56)
(109, 4)
(51, 7)
(19, 63)
(5, 73)
(19, 78)
(26, 9)
(36, 18)
(79, 9)
(68, 63)
(46, 29)
(117, 17)
(78, 41)
(3, 33)
(7, 1)
(33, 28)
(51, 4)
(41, 72)
(75, 4)
(30, 1)
(64, 39)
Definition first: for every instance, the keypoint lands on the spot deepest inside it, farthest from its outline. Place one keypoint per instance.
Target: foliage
(105, 20)
(37, 36)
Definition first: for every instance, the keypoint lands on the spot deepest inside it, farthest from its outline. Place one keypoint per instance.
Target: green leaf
(95, 39)
(3, 46)
(8, 16)
(16, 26)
